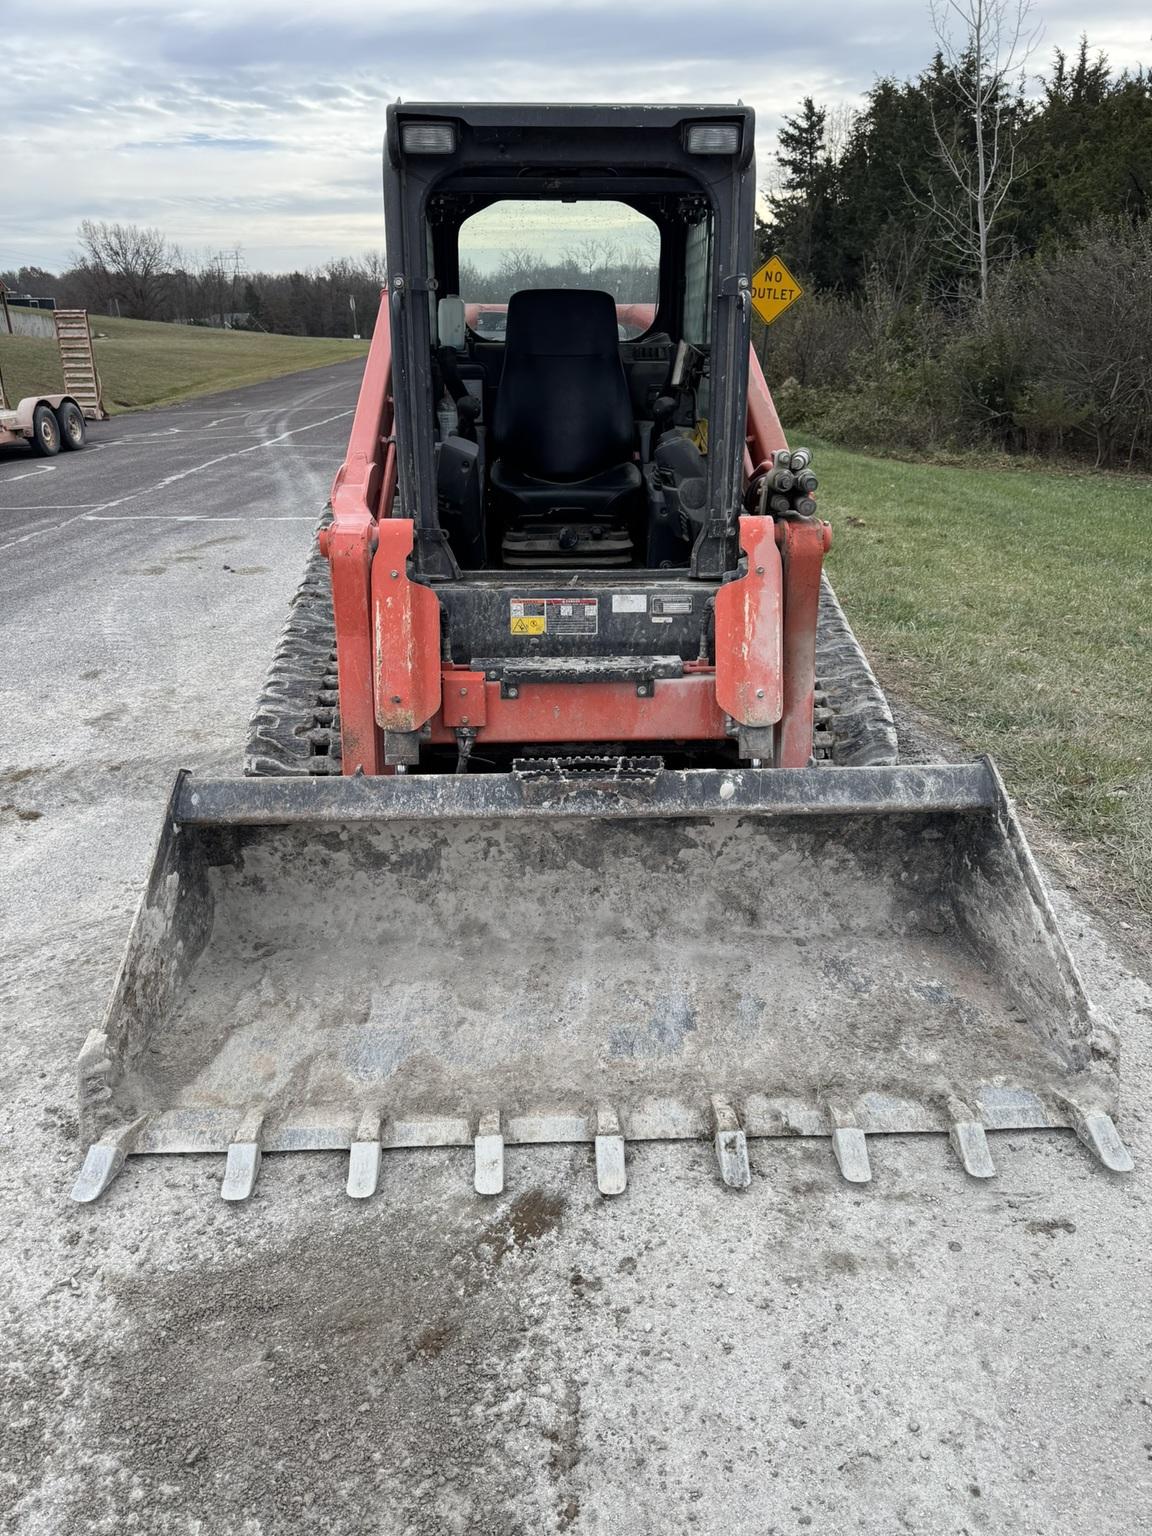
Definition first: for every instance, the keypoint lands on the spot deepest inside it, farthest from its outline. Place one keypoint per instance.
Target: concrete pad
(924, 1353)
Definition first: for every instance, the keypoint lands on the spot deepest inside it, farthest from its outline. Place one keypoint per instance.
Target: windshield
(545, 244)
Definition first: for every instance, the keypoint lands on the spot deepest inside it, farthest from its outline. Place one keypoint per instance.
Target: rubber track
(295, 729)
(854, 725)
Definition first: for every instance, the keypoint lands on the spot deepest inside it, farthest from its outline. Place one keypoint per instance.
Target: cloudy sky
(257, 123)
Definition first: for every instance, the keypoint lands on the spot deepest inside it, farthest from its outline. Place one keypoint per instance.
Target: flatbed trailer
(47, 422)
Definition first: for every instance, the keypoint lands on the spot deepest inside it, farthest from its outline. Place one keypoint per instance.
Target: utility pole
(230, 262)
(237, 265)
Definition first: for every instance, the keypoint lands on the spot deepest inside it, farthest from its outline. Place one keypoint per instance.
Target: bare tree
(840, 121)
(893, 277)
(1087, 312)
(984, 46)
(129, 265)
(591, 256)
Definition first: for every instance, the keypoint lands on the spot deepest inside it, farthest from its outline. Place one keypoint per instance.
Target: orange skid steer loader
(572, 809)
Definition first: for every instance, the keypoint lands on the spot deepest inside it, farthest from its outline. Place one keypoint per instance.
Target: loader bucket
(613, 955)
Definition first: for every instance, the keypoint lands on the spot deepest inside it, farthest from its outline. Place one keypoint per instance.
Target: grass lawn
(143, 363)
(1015, 607)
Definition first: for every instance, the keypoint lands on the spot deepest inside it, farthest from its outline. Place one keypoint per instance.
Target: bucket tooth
(364, 1157)
(243, 1160)
(731, 1145)
(104, 1160)
(1098, 1132)
(969, 1141)
(489, 1145)
(611, 1174)
(848, 1144)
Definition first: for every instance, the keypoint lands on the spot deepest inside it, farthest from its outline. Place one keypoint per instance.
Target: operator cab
(570, 339)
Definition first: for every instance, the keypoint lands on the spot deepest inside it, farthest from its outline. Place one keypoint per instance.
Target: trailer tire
(73, 431)
(45, 432)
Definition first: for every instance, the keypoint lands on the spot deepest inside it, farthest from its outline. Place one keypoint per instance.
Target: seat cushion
(563, 412)
(599, 494)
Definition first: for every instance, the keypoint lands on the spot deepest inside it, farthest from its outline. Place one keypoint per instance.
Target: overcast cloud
(257, 123)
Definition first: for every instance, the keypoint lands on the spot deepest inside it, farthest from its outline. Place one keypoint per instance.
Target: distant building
(28, 301)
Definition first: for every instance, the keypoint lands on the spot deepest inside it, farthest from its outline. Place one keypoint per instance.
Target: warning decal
(527, 618)
(553, 616)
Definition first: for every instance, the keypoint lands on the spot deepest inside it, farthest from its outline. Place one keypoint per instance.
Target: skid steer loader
(572, 810)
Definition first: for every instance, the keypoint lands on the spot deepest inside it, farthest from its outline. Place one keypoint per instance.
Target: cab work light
(428, 138)
(713, 139)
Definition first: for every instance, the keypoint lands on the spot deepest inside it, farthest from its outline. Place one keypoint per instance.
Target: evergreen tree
(1091, 148)
(801, 151)
(802, 214)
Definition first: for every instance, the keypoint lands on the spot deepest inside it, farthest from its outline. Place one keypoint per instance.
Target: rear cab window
(551, 244)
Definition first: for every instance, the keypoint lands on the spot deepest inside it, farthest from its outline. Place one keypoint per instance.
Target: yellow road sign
(774, 290)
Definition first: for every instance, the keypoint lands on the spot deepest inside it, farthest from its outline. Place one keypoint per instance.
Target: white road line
(190, 517)
(190, 435)
(193, 436)
(72, 506)
(197, 469)
(244, 412)
(184, 474)
(45, 469)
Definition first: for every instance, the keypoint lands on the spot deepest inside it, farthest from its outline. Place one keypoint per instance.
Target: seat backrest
(562, 408)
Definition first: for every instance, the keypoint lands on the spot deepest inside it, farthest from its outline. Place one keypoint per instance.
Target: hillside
(144, 362)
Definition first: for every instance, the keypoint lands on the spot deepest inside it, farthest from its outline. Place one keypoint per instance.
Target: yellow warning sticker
(528, 616)
(561, 616)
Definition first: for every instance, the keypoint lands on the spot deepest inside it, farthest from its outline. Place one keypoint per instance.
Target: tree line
(977, 256)
(628, 272)
(135, 272)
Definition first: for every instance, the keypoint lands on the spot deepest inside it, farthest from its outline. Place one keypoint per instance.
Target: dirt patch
(421, 1378)
(532, 1214)
(529, 1217)
(433, 1341)
(1051, 1227)
(22, 813)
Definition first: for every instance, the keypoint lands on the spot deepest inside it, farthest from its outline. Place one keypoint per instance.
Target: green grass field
(1015, 607)
(144, 363)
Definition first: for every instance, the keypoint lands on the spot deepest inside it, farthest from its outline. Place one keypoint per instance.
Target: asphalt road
(226, 457)
(921, 1355)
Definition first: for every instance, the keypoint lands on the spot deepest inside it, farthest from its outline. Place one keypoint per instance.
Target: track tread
(860, 731)
(295, 727)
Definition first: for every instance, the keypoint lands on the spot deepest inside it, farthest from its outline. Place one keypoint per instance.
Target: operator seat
(562, 429)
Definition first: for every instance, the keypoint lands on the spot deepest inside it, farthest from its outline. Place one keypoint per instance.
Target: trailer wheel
(45, 431)
(73, 431)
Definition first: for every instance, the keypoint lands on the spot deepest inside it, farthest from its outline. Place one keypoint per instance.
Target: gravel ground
(924, 1354)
